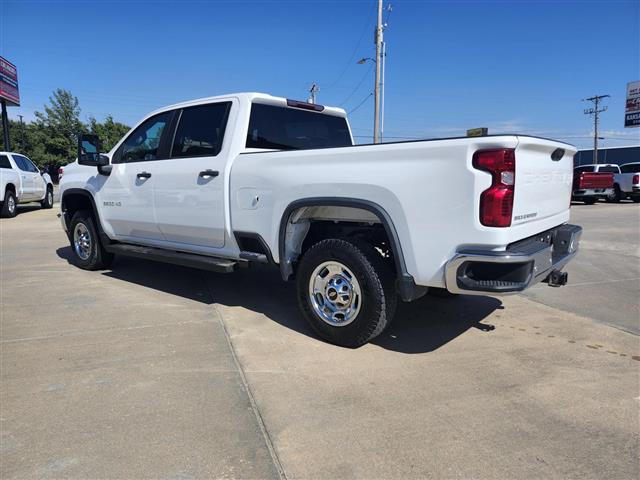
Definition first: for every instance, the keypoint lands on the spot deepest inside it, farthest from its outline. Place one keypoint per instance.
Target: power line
(360, 104)
(357, 87)
(355, 50)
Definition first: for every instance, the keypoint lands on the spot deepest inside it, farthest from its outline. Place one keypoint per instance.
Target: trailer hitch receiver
(557, 278)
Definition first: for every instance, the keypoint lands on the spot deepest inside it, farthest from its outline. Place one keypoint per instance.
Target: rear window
(282, 128)
(608, 169)
(583, 169)
(4, 162)
(630, 168)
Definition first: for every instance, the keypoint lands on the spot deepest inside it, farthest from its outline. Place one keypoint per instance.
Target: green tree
(51, 140)
(109, 131)
(57, 129)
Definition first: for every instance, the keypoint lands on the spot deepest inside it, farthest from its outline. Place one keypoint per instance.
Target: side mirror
(89, 151)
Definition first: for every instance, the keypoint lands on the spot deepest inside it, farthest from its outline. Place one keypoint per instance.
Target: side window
(201, 130)
(24, 164)
(144, 141)
(4, 162)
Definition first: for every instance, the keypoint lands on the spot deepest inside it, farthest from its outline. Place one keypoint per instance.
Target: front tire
(88, 252)
(9, 205)
(589, 201)
(345, 291)
(47, 202)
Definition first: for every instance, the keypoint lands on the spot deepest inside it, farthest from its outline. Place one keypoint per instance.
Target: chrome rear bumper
(521, 265)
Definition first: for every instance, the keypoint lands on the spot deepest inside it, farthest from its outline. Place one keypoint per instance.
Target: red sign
(9, 83)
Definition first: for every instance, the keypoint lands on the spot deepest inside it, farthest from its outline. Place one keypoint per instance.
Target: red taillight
(496, 203)
(636, 179)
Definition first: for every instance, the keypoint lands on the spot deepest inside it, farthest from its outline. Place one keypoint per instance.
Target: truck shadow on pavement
(419, 327)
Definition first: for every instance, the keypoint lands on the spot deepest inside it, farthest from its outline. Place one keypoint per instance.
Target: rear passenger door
(189, 188)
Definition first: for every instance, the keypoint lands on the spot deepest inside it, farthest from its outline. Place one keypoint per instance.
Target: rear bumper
(593, 192)
(521, 265)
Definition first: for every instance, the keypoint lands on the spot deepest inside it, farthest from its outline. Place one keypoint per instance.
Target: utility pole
(378, 38)
(312, 93)
(595, 111)
(5, 126)
(21, 134)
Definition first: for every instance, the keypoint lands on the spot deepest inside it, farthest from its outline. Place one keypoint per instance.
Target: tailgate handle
(557, 154)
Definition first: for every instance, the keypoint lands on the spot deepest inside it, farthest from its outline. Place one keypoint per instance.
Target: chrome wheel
(11, 204)
(335, 293)
(82, 241)
(49, 197)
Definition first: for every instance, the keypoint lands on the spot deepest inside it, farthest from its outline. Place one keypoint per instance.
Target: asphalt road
(151, 370)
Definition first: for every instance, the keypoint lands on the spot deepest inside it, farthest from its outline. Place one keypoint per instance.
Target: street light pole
(21, 133)
(5, 126)
(378, 40)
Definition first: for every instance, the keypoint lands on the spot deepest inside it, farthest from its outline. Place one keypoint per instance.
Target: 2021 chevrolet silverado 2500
(22, 182)
(591, 182)
(224, 182)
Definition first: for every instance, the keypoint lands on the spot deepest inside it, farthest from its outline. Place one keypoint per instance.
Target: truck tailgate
(594, 180)
(543, 180)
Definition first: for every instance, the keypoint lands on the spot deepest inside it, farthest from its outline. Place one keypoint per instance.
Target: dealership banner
(9, 83)
(632, 109)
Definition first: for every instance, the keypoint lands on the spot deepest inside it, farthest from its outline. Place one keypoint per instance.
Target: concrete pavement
(604, 283)
(151, 370)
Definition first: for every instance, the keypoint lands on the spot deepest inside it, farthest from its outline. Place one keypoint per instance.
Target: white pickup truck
(22, 182)
(225, 182)
(626, 183)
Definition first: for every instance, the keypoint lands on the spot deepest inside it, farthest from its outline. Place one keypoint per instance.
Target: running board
(221, 265)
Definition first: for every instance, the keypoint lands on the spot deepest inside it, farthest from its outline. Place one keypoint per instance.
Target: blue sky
(512, 66)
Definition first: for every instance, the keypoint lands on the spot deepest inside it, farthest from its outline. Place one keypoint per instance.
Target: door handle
(208, 173)
(144, 175)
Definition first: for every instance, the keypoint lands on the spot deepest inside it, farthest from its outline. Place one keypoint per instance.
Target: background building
(618, 155)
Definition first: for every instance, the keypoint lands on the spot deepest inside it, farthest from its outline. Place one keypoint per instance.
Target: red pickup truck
(591, 182)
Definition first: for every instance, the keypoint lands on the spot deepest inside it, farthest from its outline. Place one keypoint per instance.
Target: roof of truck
(249, 97)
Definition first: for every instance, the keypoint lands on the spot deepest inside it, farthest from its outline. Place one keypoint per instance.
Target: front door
(126, 196)
(27, 171)
(189, 189)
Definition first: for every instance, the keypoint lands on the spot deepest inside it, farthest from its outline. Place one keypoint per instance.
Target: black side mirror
(89, 151)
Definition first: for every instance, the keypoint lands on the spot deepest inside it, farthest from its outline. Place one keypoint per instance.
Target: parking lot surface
(151, 370)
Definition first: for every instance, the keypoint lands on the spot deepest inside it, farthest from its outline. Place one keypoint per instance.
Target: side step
(221, 265)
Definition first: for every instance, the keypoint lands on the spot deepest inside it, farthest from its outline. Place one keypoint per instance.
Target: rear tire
(47, 202)
(88, 252)
(9, 205)
(616, 196)
(589, 201)
(355, 298)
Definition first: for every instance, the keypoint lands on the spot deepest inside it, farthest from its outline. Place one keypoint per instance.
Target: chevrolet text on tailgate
(226, 182)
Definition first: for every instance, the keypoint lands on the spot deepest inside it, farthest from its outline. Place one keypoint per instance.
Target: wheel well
(10, 186)
(73, 202)
(307, 225)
